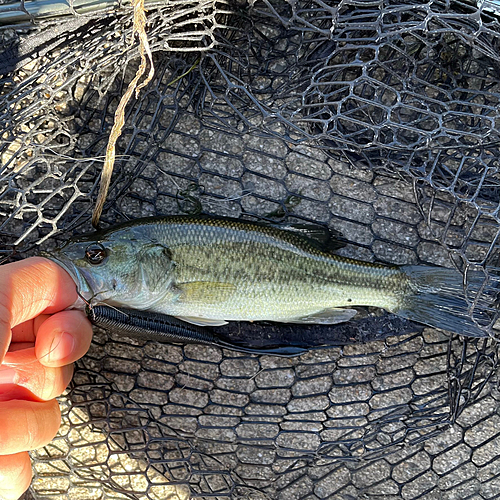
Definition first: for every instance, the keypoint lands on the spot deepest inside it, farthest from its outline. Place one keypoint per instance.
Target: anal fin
(326, 317)
(202, 321)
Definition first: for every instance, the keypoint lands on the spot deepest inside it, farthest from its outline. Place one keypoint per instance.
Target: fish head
(118, 268)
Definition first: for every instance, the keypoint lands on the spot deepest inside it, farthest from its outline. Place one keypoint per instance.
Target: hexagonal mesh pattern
(376, 118)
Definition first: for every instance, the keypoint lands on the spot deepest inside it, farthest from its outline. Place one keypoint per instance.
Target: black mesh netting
(378, 118)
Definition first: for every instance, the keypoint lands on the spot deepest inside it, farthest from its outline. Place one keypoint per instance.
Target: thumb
(63, 338)
(31, 287)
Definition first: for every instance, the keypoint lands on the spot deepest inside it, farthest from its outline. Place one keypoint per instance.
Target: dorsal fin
(322, 237)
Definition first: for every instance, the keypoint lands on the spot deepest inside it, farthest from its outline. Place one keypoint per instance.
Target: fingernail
(61, 347)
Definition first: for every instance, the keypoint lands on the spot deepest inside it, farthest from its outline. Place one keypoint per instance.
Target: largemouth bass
(212, 270)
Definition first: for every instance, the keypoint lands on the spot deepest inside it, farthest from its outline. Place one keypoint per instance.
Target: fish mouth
(82, 285)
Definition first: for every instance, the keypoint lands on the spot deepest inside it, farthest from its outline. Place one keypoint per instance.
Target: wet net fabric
(379, 119)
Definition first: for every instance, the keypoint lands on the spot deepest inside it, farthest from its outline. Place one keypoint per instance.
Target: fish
(211, 270)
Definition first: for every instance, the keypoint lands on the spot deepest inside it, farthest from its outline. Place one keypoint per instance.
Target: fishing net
(378, 118)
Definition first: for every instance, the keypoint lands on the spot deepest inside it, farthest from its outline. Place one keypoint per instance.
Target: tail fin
(437, 298)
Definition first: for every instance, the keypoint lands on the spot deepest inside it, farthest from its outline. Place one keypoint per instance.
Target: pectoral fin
(205, 292)
(326, 317)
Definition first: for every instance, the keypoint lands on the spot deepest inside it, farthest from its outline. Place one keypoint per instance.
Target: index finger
(28, 288)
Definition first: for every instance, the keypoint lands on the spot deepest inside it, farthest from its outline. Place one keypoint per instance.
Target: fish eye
(95, 253)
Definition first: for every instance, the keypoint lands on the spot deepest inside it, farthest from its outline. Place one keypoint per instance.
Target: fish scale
(277, 276)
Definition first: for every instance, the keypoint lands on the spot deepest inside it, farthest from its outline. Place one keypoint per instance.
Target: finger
(63, 338)
(26, 331)
(15, 475)
(22, 372)
(27, 425)
(29, 288)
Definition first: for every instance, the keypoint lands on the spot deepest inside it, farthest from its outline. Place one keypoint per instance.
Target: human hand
(38, 343)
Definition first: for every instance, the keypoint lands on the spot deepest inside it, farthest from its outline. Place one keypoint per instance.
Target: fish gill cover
(377, 118)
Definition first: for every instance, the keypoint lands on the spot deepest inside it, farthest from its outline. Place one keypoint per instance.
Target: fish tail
(437, 297)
